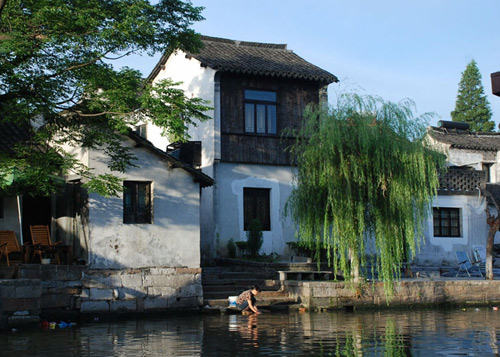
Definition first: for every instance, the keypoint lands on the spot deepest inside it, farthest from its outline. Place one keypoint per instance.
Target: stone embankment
(407, 293)
(62, 291)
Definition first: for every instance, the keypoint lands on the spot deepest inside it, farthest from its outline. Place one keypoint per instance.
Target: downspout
(18, 197)
(215, 164)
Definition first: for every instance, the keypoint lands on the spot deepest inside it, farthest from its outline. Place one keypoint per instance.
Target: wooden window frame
(255, 103)
(487, 168)
(253, 197)
(131, 210)
(444, 219)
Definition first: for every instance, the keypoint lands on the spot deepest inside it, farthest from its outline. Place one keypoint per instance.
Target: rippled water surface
(400, 333)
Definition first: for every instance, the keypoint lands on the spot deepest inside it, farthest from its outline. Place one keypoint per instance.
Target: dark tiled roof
(264, 59)
(467, 139)
(203, 179)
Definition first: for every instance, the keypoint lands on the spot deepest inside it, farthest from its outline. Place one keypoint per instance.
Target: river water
(471, 331)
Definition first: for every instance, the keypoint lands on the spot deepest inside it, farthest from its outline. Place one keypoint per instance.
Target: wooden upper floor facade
(262, 90)
(256, 112)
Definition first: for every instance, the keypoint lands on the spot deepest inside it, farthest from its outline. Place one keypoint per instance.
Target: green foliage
(231, 248)
(243, 247)
(364, 178)
(55, 68)
(472, 106)
(254, 237)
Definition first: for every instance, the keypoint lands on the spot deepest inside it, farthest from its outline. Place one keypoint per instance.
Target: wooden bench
(305, 275)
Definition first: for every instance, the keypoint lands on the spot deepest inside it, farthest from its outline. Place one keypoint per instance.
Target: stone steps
(223, 294)
(231, 275)
(261, 301)
(220, 282)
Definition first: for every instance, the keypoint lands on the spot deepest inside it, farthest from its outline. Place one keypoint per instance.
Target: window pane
(136, 202)
(446, 222)
(271, 119)
(260, 95)
(141, 198)
(261, 118)
(249, 118)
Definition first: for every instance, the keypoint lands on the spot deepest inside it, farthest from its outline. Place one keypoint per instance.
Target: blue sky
(391, 48)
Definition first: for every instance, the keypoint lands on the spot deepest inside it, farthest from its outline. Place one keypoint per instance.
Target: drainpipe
(20, 218)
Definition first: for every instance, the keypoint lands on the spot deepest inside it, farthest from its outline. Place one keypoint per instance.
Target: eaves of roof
(203, 179)
(264, 59)
(466, 139)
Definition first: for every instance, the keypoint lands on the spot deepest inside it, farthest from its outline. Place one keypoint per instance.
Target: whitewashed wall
(231, 179)
(474, 231)
(198, 82)
(173, 239)
(10, 220)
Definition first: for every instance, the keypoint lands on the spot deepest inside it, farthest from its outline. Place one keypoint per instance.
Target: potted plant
(45, 258)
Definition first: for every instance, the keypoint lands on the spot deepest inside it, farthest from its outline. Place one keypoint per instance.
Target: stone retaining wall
(60, 291)
(19, 301)
(417, 292)
(141, 290)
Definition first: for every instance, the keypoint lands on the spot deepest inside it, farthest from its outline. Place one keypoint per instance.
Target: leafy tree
(365, 179)
(472, 106)
(55, 70)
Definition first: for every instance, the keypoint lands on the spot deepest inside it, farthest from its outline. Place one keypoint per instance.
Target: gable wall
(197, 81)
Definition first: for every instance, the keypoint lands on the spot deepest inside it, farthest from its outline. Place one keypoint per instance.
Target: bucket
(232, 301)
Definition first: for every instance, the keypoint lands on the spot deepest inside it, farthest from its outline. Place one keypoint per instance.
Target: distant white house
(458, 221)
(257, 91)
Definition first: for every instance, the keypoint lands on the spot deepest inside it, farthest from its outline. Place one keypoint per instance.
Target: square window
(260, 112)
(446, 222)
(136, 202)
(256, 205)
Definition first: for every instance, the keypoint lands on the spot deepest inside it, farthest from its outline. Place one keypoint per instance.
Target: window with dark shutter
(256, 205)
(136, 202)
(447, 222)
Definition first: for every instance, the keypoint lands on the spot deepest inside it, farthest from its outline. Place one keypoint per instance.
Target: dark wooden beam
(495, 83)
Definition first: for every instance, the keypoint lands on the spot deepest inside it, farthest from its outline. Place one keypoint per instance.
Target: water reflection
(393, 333)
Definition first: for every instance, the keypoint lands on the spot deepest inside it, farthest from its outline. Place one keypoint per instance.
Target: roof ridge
(279, 46)
(463, 132)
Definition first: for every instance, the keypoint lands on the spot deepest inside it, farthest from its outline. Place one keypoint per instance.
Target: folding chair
(42, 245)
(464, 263)
(8, 245)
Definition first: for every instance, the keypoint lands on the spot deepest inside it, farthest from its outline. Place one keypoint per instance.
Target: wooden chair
(8, 245)
(42, 244)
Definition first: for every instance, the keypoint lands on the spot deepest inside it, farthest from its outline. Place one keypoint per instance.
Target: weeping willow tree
(365, 178)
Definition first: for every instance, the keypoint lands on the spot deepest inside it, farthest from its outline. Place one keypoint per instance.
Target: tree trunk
(494, 223)
(354, 266)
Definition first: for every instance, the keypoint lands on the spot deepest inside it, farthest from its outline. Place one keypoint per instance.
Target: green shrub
(231, 248)
(254, 238)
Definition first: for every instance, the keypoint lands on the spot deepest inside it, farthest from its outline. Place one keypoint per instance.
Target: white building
(458, 221)
(257, 90)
